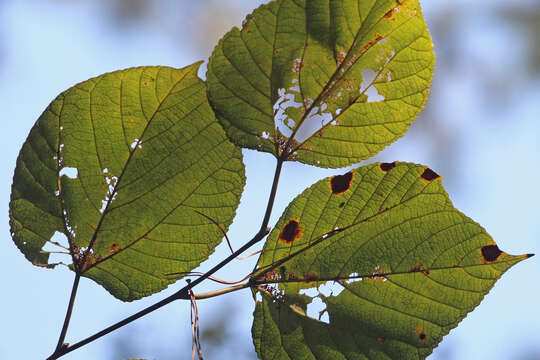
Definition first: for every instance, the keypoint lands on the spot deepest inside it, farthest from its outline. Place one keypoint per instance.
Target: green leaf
(130, 166)
(329, 83)
(394, 265)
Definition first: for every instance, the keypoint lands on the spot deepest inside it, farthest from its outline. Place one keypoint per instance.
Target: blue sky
(492, 176)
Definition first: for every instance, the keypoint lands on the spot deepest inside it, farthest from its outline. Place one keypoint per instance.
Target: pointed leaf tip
(388, 262)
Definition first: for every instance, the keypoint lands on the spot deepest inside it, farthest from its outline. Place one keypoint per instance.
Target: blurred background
(480, 130)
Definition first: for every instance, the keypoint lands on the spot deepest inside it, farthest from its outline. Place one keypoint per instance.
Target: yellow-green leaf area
(385, 259)
(130, 166)
(327, 83)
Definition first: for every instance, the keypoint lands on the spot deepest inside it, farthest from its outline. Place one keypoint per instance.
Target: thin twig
(213, 278)
(196, 345)
(250, 255)
(219, 292)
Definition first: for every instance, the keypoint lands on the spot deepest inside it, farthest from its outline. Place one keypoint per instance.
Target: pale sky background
(481, 131)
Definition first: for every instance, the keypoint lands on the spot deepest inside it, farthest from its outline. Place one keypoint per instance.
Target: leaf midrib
(130, 156)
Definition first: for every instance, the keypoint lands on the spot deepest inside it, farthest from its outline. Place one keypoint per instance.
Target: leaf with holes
(327, 83)
(130, 166)
(375, 263)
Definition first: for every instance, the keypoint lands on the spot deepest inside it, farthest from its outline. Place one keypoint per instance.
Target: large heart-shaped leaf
(394, 265)
(132, 167)
(328, 83)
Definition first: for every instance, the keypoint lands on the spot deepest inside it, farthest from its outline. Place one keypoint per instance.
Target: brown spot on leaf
(381, 340)
(419, 268)
(291, 232)
(390, 13)
(378, 37)
(386, 167)
(311, 276)
(416, 268)
(293, 276)
(429, 175)
(529, 255)
(114, 248)
(367, 46)
(341, 183)
(491, 253)
(421, 334)
(271, 276)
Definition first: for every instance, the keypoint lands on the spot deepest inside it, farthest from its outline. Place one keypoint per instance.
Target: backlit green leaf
(125, 164)
(328, 82)
(391, 265)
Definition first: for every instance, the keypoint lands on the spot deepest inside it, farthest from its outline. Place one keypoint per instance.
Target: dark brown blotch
(491, 253)
(291, 232)
(429, 175)
(381, 340)
(421, 334)
(386, 167)
(341, 183)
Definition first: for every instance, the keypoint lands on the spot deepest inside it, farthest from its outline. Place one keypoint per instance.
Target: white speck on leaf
(136, 144)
